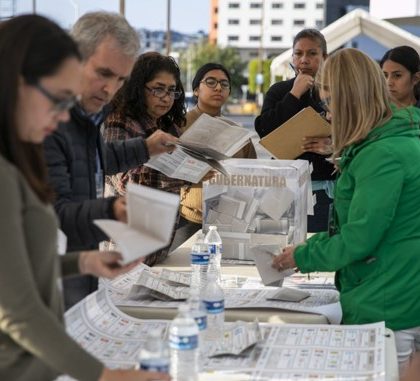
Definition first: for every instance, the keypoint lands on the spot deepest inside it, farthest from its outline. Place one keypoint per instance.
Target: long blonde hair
(359, 99)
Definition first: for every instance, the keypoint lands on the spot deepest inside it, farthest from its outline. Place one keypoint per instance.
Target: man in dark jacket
(76, 155)
(285, 99)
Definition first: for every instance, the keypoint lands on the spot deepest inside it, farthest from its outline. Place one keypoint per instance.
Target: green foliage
(254, 67)
(198, 55)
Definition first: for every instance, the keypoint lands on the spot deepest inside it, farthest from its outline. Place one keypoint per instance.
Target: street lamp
(122, 8)
(168, 27)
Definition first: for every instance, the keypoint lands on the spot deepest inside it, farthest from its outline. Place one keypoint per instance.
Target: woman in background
(211, 86)
(373, 240)
(152, 99)
(42, 77)
(401, 67)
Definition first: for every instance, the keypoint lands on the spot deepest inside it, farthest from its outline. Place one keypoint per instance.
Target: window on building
(253, 54)
(254, 38)
(215, 25)
(299, 22)
(233, 38)
(276, 38)
(233, 22)
(319, 24)
(276, 22)
(299, 5)
(216, 10)
(255, 22)
(277, 5)
(255, 5)
(319, 6)
(234, 5)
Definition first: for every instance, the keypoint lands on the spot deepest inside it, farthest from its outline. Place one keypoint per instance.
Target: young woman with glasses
(374, 243)
(152, 99)
(41, 71)
(211, 86)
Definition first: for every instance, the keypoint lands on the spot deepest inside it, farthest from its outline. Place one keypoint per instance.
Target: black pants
(319, 221)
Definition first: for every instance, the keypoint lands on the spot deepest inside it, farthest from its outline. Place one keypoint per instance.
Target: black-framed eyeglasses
(60, 104)
(213, 82)
(160, 92)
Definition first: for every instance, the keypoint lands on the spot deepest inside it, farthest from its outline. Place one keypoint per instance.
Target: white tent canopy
(347, 27)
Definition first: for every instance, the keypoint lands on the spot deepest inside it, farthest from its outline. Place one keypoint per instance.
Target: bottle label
(155, 366)
(215, 307)
(183, 342)
(215, 249)
(200, 258)
(201, 322)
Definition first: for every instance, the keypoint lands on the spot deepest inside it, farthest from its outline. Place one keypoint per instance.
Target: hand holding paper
(285, 260)
(151, 219)
(270, 276)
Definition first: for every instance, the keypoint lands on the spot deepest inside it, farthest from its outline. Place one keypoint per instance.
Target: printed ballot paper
(285, 142)
(151, 219)
(200, 149)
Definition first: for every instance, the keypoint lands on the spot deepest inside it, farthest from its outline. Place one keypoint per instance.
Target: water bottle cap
(212, 227)
(200, 236)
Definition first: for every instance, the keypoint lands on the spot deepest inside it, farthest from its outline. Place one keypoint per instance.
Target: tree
(253, 69)
(199, 54)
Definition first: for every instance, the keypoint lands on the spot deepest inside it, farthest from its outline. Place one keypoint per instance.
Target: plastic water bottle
(154, 356)
(198, 312)
(199, 262)
(214, 243)
(183, 341)
(214, 300)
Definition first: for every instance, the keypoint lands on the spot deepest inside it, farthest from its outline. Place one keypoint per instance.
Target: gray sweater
(33, 342)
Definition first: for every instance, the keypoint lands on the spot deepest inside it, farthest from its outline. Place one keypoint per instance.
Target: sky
(187, 16)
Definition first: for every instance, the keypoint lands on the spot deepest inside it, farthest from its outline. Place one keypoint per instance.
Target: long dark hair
(131, 98)
(31, 47)
(407, 57)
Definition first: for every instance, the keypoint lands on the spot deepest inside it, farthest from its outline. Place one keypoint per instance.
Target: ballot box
(260, 203)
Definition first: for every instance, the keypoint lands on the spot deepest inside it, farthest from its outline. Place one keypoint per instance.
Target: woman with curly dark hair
(152, 99)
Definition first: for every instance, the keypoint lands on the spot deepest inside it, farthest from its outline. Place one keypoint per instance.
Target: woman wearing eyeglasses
(211, 86)
(152, 99)
(374, 240)
(42, 77)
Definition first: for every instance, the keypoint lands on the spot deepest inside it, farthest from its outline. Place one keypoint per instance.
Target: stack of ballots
(261, 203)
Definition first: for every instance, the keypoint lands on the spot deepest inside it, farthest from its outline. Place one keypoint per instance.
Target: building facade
(262, 28)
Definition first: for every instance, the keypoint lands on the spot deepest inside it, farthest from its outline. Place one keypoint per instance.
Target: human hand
(104, 263)
(321, 145)
(302, 84)
(132, 375)
(120, 209)
(285, 260)
(160, 142)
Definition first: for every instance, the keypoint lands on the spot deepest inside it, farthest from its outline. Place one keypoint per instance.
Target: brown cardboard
(285, 142)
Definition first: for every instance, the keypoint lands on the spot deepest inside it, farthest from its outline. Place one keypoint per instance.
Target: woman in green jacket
(373, 242)
(40, 76)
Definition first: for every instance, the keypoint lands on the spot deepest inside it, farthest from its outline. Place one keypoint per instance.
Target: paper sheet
(284, 352)
(151, 219)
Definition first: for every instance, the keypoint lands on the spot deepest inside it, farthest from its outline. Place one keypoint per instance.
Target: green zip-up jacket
(376, 250)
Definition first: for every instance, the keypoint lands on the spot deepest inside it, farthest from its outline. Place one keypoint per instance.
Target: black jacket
(279, 106)
(71, 159)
